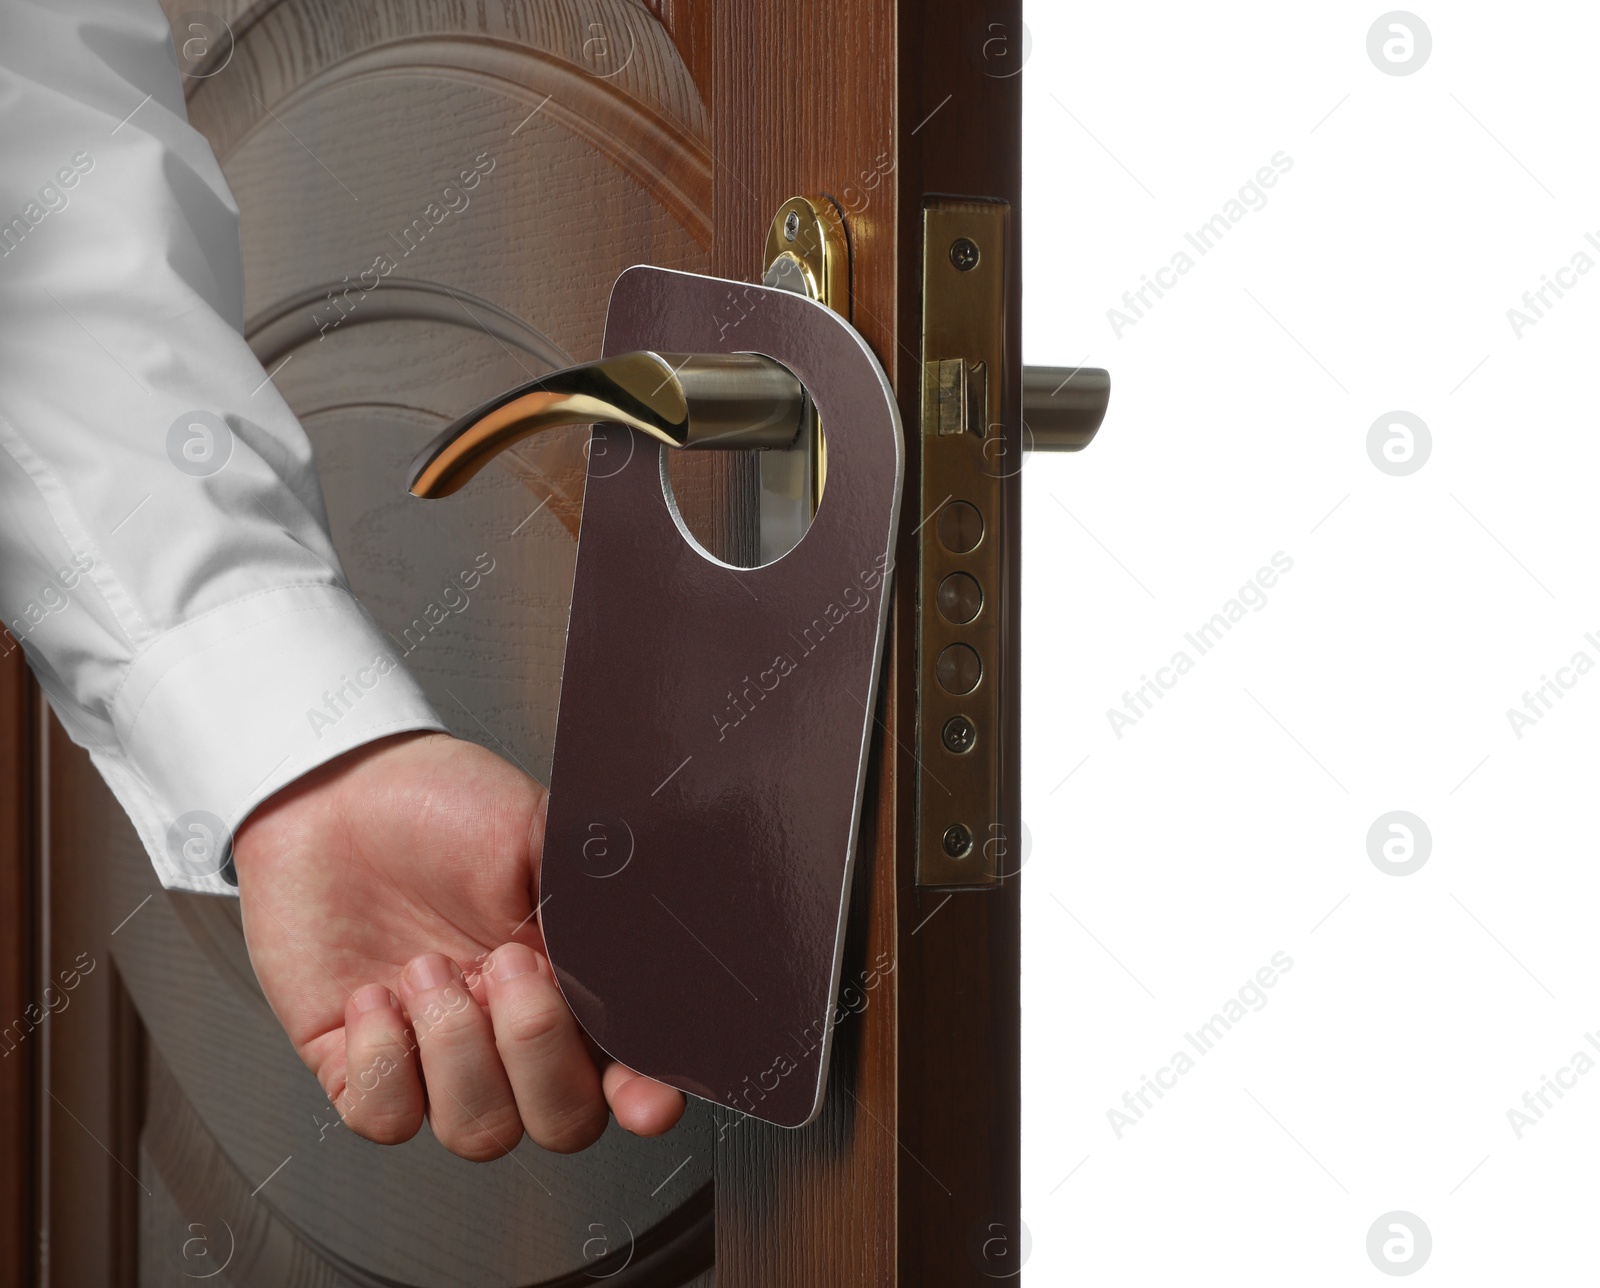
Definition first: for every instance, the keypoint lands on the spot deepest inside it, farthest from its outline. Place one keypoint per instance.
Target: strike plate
(961, 622)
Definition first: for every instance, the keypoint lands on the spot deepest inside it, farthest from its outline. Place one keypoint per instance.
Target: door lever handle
(700, 400)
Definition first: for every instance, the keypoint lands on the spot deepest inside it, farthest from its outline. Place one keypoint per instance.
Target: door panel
(602, 133)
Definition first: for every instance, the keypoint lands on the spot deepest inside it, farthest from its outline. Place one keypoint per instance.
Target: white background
(1230, 822)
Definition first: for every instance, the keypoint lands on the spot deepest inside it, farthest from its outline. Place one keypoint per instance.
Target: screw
(959, 735)
(964, 254)
(958, 840)
(791, 225)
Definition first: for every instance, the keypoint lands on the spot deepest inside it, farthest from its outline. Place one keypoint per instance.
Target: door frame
(21, 1152)
(71, 1077)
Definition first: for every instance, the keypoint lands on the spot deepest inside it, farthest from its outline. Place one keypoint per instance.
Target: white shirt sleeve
(165, 561)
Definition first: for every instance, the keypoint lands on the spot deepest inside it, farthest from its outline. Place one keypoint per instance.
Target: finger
(642, 1105)
(555, 1082)
(470, 1106)
(382, 1098)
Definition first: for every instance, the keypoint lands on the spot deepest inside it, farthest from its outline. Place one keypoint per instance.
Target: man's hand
(368, 887)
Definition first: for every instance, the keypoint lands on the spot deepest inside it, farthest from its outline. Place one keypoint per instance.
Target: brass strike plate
(961, 621)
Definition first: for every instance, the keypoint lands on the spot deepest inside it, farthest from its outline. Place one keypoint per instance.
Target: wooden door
(435, 198)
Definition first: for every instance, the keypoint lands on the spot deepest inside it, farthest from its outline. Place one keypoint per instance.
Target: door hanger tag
(714, 724)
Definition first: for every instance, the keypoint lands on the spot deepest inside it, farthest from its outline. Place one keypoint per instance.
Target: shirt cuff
(223, 711)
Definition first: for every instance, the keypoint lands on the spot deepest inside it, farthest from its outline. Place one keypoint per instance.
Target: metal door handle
(719, 400)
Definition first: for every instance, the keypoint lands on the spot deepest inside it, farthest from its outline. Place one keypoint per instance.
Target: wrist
(312, 801)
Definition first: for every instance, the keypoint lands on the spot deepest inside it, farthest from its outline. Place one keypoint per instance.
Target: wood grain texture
(689, 23)
(19, 948)
(916, 1160)
(93, 1092)
(803, 102)
(959, 1088)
